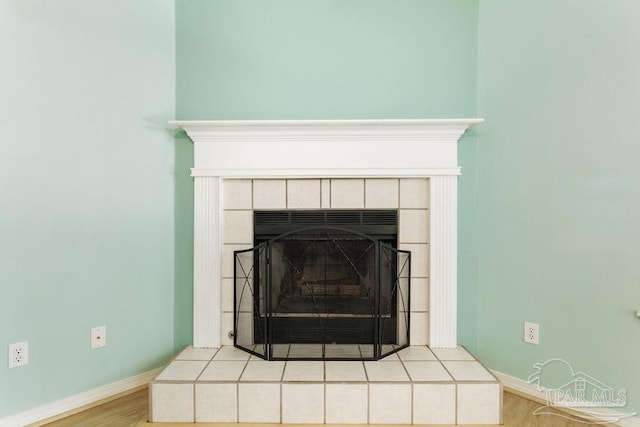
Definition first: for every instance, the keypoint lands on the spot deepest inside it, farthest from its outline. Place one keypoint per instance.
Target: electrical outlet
(531, 333)
(18, 354)
(98, 336)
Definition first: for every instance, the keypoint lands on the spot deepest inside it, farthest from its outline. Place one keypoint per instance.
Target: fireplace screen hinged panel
(322, 284)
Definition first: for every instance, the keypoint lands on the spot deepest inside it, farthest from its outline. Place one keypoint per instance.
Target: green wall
(559, 212)
(310, 59)
(86, 185)
(332, 59)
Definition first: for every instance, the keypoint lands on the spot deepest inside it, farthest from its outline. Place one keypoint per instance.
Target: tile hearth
(417, 385)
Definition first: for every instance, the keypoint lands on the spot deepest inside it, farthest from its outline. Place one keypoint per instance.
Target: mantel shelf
(241, 148)
(317, 130)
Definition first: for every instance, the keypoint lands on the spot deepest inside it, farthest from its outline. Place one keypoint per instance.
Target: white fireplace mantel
(325, 149)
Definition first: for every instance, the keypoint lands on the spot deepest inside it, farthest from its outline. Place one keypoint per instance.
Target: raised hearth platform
(417, 385)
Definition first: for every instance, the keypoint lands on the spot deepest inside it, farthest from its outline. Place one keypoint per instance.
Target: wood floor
(132, 411)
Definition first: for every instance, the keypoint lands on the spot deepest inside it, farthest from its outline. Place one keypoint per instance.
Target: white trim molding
(299, 148)
(207, 262)
(443, 265)
(324, 173)
(325, 149)
(531, 392)
(78, 401)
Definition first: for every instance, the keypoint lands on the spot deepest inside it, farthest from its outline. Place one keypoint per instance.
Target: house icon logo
(566, 388)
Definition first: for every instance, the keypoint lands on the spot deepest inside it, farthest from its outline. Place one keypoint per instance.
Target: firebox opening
(325, 278)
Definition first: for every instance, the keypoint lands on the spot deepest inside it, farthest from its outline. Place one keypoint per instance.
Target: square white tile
(303, 403)
(427, 370)
(305, 350)
(434, 403)
(190, 353)
(416, 352)
(419, 258)
(342, 351)
(345, 371)
(280, 350)
(413, 226)
(414, 193)
(303, 194)
(228, 260)
(263, 371)
(237, 227)
(385, 371)
(419, 328)
(479, 403)
(419, 294)
(390, 404)
(381, 193)
(467, 371)
(216, 403)
(226, 295)
(346, 403)
(227, 326)
(457, 353)
(258, 403)
(244, 333)
(171, 403)
(269, 194)
(385, 349)
(245, 293)
(366, 351)
(347, 193)
(236, 194)
(303, 371)
(325, 193)
(231, 353)
(402, 325)
(223, 370)
(403, 303)
(182, 370)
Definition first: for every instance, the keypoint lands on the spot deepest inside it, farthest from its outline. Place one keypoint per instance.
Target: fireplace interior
(324, 279)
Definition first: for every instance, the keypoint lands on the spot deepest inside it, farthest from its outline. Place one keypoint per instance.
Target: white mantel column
(443, 262)
(206, 262)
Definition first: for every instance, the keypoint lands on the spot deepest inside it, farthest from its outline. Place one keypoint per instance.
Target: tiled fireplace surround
(408, 165)
(409, 196)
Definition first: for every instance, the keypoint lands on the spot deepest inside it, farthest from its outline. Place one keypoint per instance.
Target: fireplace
(302, 169)
(321, 278)
(417, 159)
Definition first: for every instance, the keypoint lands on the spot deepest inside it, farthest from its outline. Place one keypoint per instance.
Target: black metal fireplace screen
(322, 292)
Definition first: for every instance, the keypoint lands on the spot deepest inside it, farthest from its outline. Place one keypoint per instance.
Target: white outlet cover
(531, 333)
(18, 354)
(98, 336)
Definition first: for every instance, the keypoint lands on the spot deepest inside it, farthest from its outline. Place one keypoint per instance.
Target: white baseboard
(80, 400)
(531, 391)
